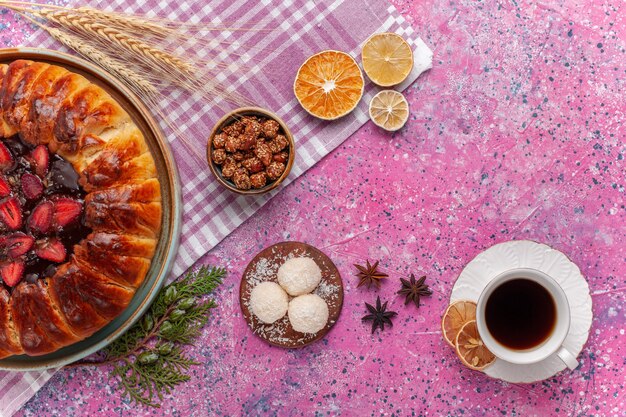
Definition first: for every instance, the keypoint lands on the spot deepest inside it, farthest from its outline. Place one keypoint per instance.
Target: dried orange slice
(389, 110)
(456, 315)
(329, 84)
(471, 349)
(387, 59)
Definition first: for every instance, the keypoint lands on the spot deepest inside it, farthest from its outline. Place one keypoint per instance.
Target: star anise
(369, 274)
(413, 290)
(379, 315)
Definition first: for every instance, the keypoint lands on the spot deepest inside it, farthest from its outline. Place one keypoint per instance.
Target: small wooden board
(264, 267)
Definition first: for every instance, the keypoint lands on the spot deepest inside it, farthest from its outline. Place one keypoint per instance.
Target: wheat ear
(101, 59)
(69, 20)
(127, 22)
(98, 57)
(134, 81)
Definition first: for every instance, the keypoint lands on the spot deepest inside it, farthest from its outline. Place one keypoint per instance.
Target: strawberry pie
(80, 208)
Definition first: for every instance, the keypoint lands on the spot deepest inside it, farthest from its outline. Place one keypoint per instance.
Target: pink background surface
(516, 133)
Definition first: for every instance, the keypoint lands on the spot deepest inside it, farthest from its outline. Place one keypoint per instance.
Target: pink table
(517, 133)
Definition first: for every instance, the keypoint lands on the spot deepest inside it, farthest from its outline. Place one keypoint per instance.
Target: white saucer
(527, 254)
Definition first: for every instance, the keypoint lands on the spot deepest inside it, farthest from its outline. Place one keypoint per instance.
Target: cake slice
(9, 343)
(40, 327)
(54, 87)
(17, 90)
(120, 258)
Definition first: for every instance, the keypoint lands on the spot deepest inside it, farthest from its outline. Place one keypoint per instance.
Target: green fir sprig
(148, 360)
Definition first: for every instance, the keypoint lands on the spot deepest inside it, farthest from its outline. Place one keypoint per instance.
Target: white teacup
(552, 344)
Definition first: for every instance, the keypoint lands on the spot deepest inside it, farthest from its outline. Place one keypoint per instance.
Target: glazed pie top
(80, 208)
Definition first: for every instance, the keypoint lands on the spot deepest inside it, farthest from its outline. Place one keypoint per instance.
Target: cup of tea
(523, 317)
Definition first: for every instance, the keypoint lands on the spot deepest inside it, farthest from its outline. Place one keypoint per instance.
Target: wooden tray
(264, 267)
(167, 247)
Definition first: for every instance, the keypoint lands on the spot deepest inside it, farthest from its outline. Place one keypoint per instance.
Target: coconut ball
(269, 302)
(308, 313)
(299, 276)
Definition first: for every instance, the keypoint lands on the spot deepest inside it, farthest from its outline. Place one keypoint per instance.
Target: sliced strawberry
(11, 213)
(6, 159)
(66, 211)
(12, 272)
(51, 250)
(18, 244)
(5, 189)
(40, 219)
(32, 187)
(40, 159)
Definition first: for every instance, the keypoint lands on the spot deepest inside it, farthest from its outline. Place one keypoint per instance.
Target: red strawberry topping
(32, 187)
(51, 250)
(12, 272)
(40, 159)
(11, 213)
(40, 212)
(6, 159)
(18, 244)
(40, 219)
(5, 190)
(66, 211)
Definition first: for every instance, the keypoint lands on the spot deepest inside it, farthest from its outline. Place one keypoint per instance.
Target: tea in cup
(523, 317)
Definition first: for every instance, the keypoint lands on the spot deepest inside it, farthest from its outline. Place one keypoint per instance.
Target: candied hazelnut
(231, 144)
(263, 152)
(251, 151)
(219, 156)
(234, 129)
(252, 127)
(229, 168)
(273, 146)
(219, 141)
(242, 179)
(275, 170)
(258, 180)
(239, 156)
(279, 143)
(246, 142)
(270, 128)
(253, 165)
(281, 157)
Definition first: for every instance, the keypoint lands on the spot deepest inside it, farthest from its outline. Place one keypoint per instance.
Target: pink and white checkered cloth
(299, 28)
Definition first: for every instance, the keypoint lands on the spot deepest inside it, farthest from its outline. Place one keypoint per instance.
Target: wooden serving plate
(167, 248)
(264, 267)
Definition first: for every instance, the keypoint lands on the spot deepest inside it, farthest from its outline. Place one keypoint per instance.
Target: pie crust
(78, 120)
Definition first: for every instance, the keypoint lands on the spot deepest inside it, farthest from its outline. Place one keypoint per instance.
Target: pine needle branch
(148, 360)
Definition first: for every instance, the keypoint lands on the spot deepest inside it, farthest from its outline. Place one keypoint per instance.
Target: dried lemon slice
(471, 349)
(387, 59)
(389, 110)
(456, 315)
(329, 84)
